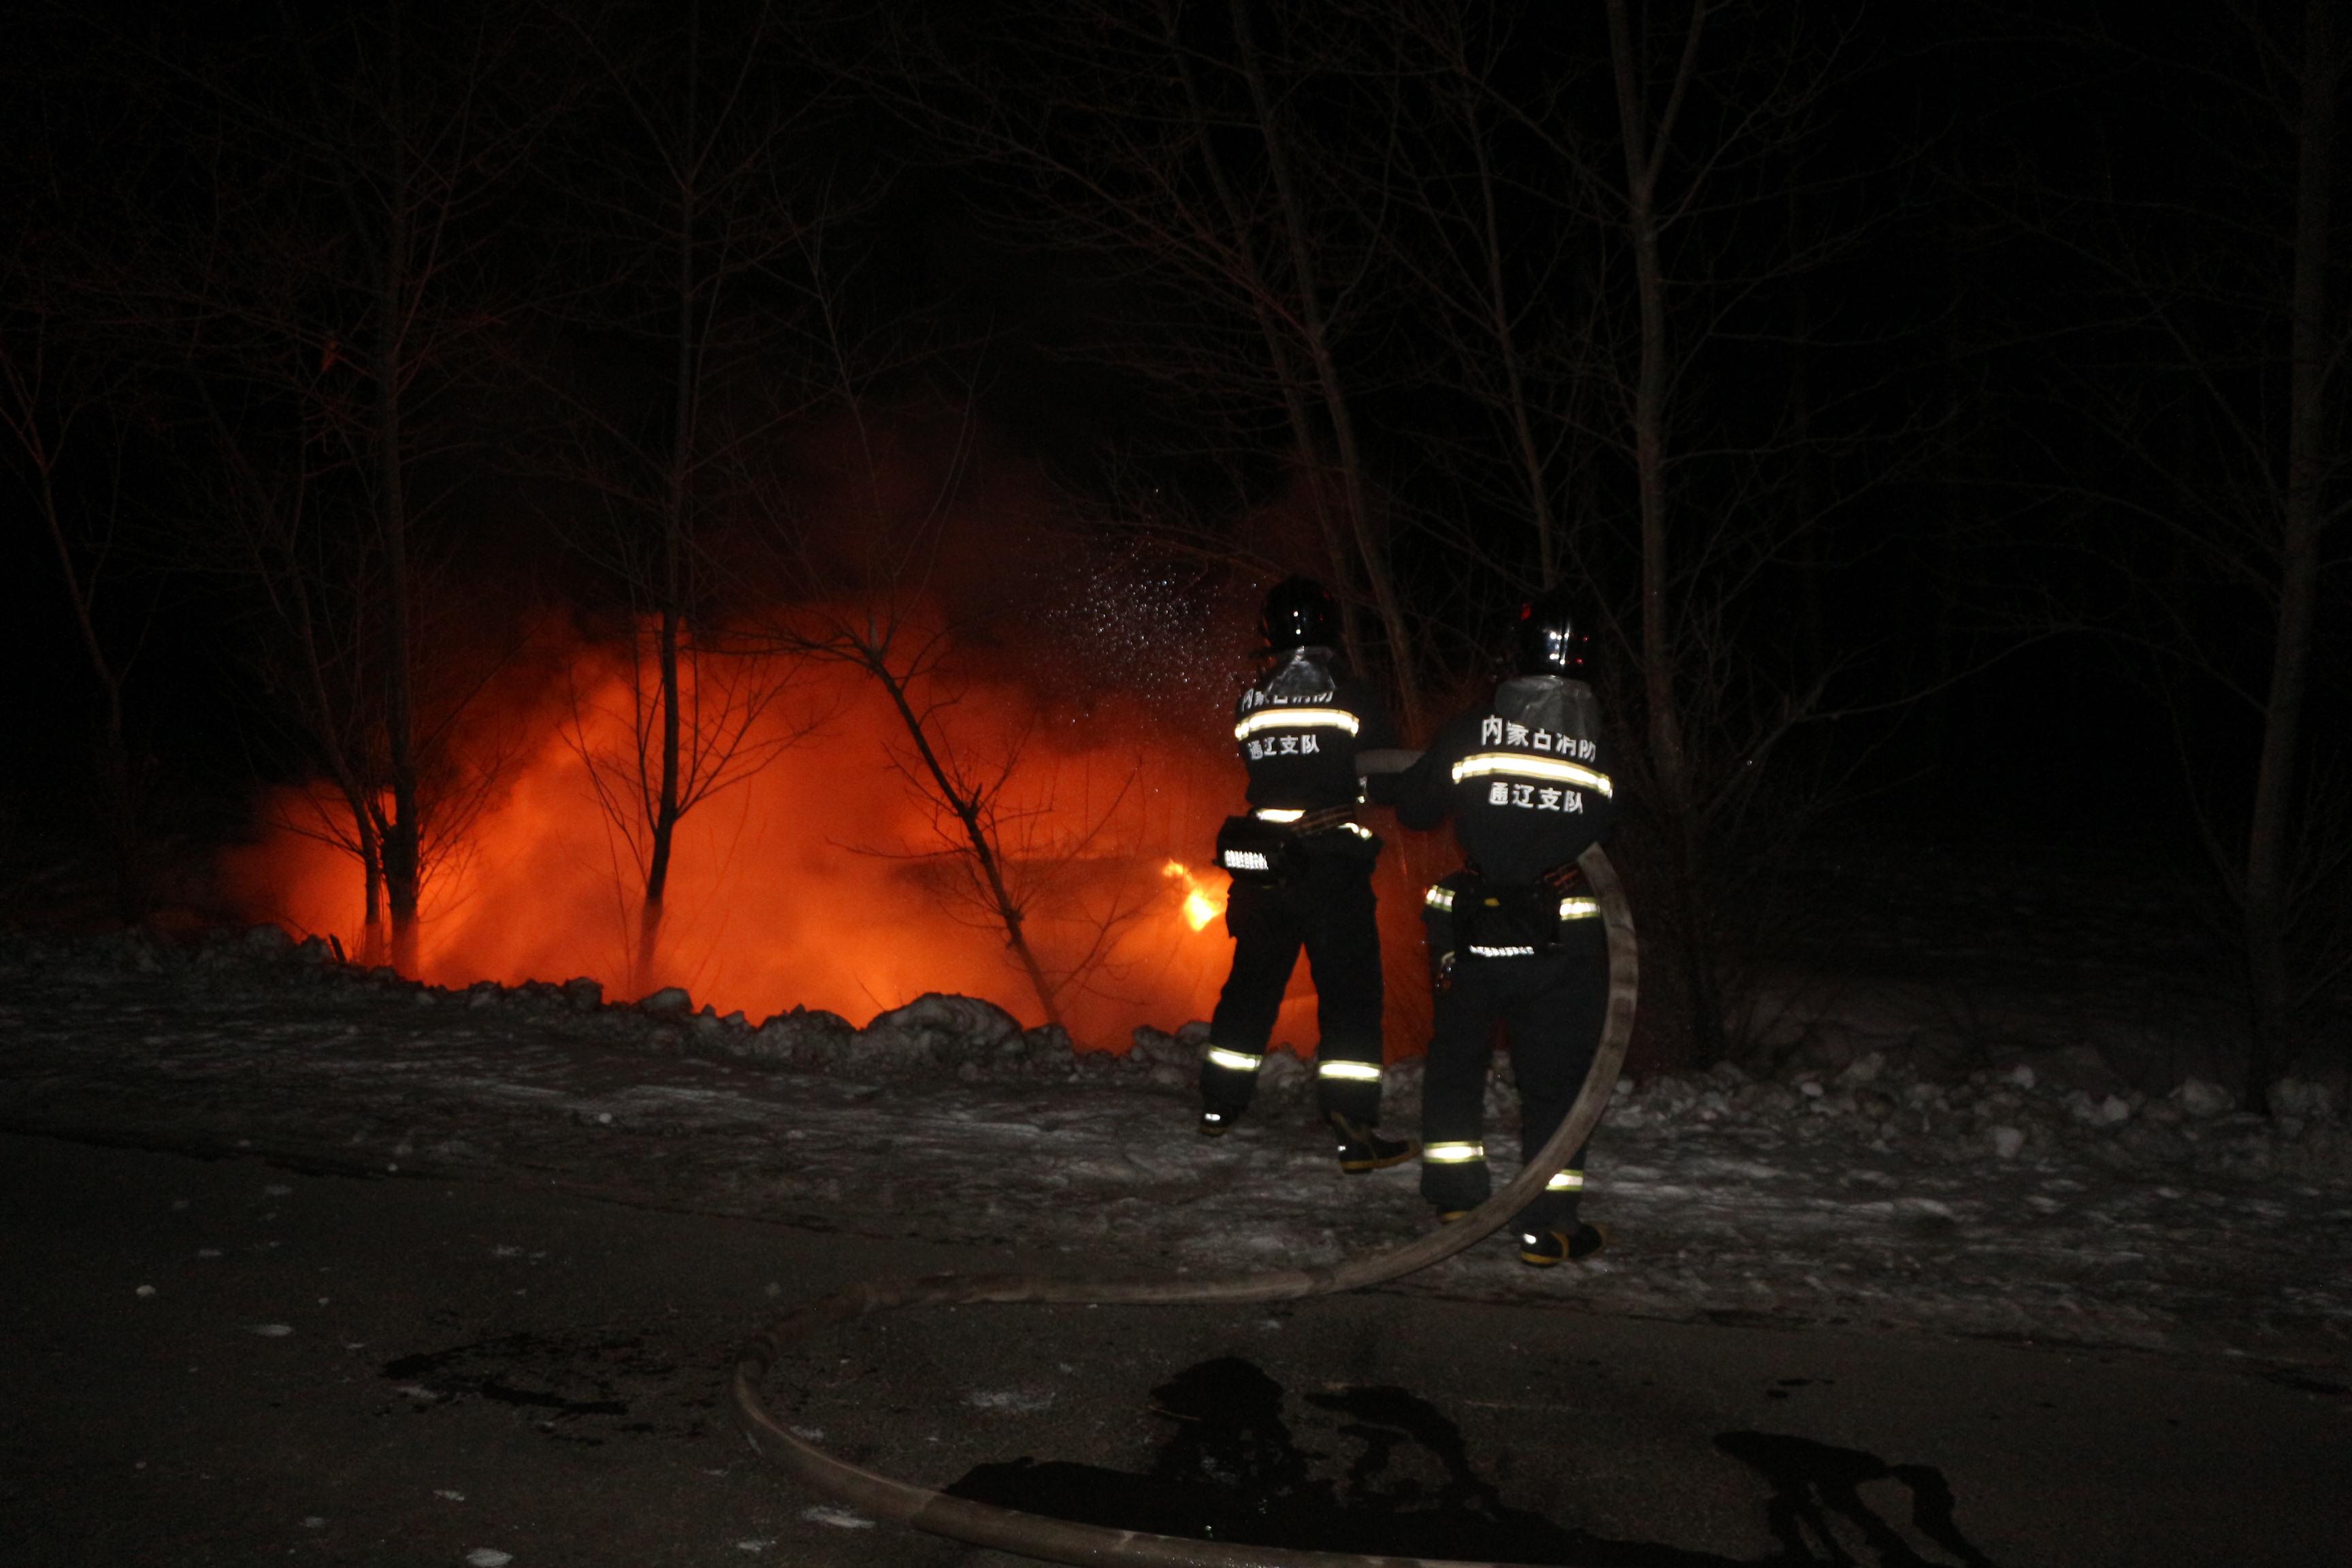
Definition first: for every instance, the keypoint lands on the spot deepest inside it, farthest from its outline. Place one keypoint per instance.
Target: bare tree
(60, 407)
(327, 294)
(727, 727)
(2315, 452)
(1010, 851)
(968, 800)
(1609, 247)
(1519, 322)
(309, 579)
(674, 247)
(2204, 364)
(864, 596)
(75, 408)
(1171, 144)
(270, 515)
(1309, 198)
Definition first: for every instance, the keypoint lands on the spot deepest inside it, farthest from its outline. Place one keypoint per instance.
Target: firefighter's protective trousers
(1329, 910)
(1552, 1005)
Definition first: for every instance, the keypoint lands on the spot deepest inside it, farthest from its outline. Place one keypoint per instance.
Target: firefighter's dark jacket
(1527, 793)
(1298, 730)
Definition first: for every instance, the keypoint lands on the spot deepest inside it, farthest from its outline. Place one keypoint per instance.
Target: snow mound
(670, 1001)
(1886, 1175)
(941, 1030)
(1861, 1074)
(803, 1038)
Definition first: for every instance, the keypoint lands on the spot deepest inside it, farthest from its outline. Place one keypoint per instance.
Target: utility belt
(1268, 847)
(1472, 919)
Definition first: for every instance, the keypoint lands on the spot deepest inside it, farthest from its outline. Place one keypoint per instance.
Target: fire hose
(885, 1497)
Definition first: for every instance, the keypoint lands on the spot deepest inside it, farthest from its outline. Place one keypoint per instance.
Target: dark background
(1981, 480)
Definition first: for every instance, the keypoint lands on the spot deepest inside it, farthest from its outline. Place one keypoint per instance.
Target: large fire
(824, 877)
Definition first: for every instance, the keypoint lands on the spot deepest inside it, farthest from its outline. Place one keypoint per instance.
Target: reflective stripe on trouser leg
(1555, 1024)
(1453, 1175)
(1349, 1090)
(1343, 938)
(1228, 1077)
(1453, 1093)
(1554, 1208)
(1265, 924)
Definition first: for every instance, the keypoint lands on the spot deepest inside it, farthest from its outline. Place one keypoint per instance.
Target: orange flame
(823, 878)
(1198, 907)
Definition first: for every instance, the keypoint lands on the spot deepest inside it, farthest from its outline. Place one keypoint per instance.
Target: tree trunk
(673, 588)
(1370, 549)
(2271, 830)
(983, 849)
(1523, 435)
(1304, 437)
(118, 802)
(126, 848)
(373, 948)
(1670, 768)
(401, 846)
(1813, 648)
(402, 830)
(326, 722)
(665, 811)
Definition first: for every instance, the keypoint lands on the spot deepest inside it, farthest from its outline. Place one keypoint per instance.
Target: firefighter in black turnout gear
(1302, 866)
(1516, 937)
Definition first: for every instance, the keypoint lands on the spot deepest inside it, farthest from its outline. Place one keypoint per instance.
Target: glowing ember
(1199, 909)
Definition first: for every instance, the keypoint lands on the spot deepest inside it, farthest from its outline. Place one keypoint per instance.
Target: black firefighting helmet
(1553, 636)
(1298, 613)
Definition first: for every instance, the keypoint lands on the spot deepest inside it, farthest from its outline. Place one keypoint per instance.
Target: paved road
(227, 1361)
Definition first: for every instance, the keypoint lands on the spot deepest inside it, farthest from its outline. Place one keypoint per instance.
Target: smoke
(1090, 688)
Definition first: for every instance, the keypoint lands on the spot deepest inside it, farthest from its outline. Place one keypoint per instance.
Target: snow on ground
(1872, 1183)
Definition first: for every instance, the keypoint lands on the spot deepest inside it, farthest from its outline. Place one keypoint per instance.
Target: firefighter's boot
(1361, 1149)
(1577, 1241)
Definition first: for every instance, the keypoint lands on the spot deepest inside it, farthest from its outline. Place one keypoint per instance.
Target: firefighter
(1302, 876)
(1515, 937)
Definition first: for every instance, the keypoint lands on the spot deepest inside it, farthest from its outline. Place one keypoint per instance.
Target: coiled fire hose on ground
(1060, 1540)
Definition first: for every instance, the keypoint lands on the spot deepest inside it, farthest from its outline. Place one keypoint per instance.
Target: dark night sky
(1987, 540)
